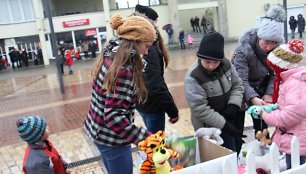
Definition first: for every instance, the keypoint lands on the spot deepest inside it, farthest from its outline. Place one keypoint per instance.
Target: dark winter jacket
(250, 63)
(292, 23)
(301, 23)
(42, 157)
(159, 97)
(208, 93)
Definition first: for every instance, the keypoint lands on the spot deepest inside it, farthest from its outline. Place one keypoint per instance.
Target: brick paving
(36, 92)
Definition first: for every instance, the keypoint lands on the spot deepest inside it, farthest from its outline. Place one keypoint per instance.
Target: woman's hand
(267, 98)
(257, 101)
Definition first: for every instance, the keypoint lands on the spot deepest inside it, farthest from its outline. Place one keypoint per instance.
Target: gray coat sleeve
(237, 89)
(240, 62)
(198, 103)
(38, 162)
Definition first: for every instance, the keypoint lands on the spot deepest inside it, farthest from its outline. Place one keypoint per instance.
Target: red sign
(74, 23)
(90, 32)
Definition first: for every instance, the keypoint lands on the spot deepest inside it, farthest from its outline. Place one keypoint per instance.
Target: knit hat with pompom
(133, 28)
(282, 58)
(271, 27)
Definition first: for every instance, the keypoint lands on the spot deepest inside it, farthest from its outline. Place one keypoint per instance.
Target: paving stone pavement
(35, 91)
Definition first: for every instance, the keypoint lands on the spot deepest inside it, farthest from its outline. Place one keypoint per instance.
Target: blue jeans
(117, 160)
(154, 121)
(229, 141)
(288, 160)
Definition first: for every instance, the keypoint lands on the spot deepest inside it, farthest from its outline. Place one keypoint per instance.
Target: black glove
(230, 112)
(231, 129)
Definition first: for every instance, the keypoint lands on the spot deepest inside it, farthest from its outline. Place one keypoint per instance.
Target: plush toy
(212, 134)
(255, 111)
(262, 137)
(157, 154)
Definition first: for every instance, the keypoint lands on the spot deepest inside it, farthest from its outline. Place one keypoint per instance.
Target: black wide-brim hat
(149, 12)
(212, 47)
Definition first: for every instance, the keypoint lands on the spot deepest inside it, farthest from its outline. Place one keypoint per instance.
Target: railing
(274, 160)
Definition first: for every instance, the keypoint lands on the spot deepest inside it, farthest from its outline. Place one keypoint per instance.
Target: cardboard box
(213, 159)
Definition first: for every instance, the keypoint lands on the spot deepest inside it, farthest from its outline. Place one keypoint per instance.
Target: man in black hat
(214, 91)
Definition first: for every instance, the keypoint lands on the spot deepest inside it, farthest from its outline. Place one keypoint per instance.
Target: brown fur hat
(134, 28)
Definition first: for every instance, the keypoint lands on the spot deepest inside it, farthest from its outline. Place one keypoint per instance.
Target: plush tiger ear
(161, 134)
(142, 145)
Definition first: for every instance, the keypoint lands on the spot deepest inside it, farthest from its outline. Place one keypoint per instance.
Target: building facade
(24, 24)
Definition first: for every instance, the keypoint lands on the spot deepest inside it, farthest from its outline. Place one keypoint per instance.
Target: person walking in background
(160, 100)
(69, 61)
(214, 91)
(182, 39)
(250, 58)
(204, 24)
(197, 24)
(85, 47)
(169, 31)
(300, 25)
(290, 118)
(117, 85)
(40, 155)
(192, 24)
(12, 58)
(293, 25)
(190, 41)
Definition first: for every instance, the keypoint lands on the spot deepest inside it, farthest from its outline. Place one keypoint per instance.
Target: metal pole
(285, 22)
(54, 46)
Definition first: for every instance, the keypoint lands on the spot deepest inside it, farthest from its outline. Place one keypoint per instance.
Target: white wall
(18, 30)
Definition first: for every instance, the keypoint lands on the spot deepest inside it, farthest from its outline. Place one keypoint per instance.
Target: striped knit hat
(282, 58)
(31, 129)
(287, 56)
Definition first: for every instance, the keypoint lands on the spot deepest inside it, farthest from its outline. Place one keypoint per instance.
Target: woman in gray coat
(250, 57)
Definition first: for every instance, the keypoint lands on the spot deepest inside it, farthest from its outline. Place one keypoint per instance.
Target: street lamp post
(285, 22)
(54, 46)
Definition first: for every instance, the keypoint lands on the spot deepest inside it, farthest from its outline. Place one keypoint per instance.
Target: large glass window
(133, 3)
(12, 11)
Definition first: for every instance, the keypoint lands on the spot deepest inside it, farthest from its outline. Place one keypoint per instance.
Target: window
(12, 11)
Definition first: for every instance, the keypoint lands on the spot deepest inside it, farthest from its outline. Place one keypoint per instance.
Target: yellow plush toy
(157, 154)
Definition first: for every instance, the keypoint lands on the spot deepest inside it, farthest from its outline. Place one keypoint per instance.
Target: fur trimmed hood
(248, 41)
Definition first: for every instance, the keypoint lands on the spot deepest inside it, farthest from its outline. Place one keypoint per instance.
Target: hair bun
(296, 46)
(116, 21)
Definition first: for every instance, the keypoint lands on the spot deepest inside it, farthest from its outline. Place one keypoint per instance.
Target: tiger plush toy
(152, 145)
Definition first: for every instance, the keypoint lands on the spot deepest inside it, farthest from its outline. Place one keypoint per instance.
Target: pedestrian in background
(190, 41)
(117, 86)
(250, 60)
(301, 25)
(293, 25)
(160, 100)
(182, 39)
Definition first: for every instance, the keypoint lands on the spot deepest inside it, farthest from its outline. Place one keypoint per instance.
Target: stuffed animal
(157, 154)
(212, 134)
(262, 137)
(255, 111)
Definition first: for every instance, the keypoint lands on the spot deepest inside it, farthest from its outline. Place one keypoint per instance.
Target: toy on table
(255, 111)
(157, 154)
(212, 134)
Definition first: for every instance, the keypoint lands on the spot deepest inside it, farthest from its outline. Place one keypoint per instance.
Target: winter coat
(208, 93)
(68, 58)
(110, 119)
(292, 23)
(290, 118)
(190, 39)
(159, 98)
(250, 63)
(182, 36)
(301, 23)
(42, 157)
